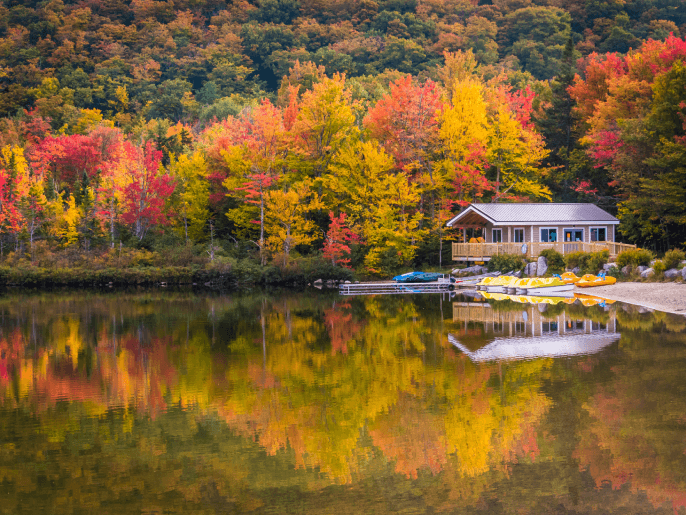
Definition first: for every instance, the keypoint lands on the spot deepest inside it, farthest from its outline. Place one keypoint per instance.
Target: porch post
(509, 234)
(464, 235)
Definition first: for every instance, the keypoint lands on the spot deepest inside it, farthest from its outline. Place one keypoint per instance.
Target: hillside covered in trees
(348, 129)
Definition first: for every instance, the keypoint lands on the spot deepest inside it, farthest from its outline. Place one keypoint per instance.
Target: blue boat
(417, 277)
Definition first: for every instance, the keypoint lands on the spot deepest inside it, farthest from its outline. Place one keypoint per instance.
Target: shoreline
(667, 297)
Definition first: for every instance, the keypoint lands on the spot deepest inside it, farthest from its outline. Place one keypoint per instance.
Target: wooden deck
(484, 251)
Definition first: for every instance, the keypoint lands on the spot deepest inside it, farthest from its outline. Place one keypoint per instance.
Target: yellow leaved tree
(287, 219)
(380, 204)
(190, 172)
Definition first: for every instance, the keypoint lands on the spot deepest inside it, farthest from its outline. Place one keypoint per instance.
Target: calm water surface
(176, 402)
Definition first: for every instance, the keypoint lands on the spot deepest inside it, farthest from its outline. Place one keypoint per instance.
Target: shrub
(556, 262)
(595, 261)
(588, 262)
(615, 272)
(635, 257)
(659, 267)
(505, 263)
(573, 259)
(673, 258)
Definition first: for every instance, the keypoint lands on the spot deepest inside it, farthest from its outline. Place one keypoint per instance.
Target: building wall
(508, 231)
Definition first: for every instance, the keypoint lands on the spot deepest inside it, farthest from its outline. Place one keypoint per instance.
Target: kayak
(600, 280)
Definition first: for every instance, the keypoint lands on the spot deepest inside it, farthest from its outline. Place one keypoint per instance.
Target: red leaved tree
(68, 159)
(336, 241)
(256, 159)
(146, 191)
(406, 124)
(12, 181)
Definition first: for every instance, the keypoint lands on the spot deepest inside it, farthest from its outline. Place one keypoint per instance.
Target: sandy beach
(669, 297)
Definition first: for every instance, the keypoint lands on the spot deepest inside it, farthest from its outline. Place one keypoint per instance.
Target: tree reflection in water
(198, 403)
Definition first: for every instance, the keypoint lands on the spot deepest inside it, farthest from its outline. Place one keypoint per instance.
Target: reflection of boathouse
(485, 333)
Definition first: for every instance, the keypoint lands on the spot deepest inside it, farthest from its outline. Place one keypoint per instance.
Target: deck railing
(484, 251)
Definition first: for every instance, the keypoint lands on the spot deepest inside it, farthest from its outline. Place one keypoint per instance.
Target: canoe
(596, 281)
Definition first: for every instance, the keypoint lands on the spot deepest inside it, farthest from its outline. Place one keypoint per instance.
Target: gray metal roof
(538, 213)
(548, 346)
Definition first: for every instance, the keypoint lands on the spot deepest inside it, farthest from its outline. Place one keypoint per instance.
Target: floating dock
(394, 288)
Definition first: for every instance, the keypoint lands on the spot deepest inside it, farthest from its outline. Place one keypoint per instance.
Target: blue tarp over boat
(417, 277)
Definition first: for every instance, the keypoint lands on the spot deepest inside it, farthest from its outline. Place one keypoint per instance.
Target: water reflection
(176, 402)
(529, 327)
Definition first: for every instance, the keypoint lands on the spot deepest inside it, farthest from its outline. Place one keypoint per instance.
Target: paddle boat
(599, 280)
(592, 300)
(550, 286)
(495, 296)
(568, 277)
(519, 284)
(552, 300)
(500, 284)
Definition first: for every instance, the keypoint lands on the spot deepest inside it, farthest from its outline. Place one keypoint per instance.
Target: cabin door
(574, 235)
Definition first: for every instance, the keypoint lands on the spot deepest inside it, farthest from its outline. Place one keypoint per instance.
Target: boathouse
(530, 228)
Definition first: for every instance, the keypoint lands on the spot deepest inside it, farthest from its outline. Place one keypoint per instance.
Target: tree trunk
(112, 224)
(261, 226)
(185, 223)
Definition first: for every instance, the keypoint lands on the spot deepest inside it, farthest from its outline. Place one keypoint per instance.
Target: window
(548, 235)
(598, 234)
(497, 235)
(519, 235)
(598, 326)
(575, 325)
(548, 327)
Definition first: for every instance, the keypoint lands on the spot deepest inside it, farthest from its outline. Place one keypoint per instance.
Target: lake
(310, 402)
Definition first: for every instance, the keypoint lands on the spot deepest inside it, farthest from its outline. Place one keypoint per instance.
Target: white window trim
(583, 234)
(598, 227)
(514, 229)
(493, 234)
(540, 234)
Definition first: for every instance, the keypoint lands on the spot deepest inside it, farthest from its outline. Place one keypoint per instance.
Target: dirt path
(670, 297)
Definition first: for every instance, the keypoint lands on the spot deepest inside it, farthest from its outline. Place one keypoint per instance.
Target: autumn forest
(347, 131)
